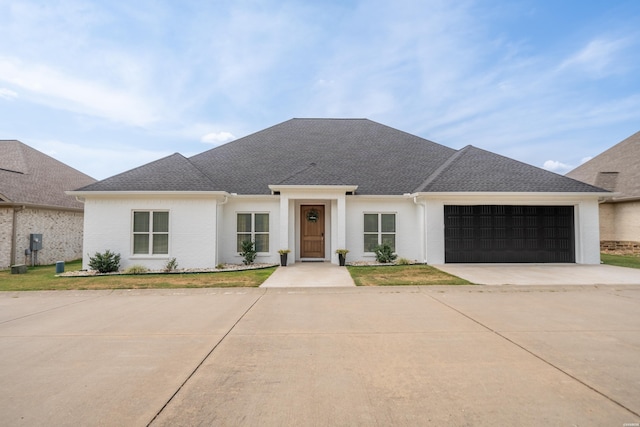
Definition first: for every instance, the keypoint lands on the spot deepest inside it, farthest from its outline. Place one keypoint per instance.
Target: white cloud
(7, 94)
(52, 87)
(596, 57)
(556, 166)
(217, 137)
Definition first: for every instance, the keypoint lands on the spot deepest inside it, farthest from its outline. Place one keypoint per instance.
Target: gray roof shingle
(28, 176)
(378, 159)
(171, 173)
(476, 170)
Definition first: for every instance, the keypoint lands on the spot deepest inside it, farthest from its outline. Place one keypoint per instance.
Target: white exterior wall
(587, 244)
(228, 227)
(192, 230)
(198, 240)
(409, 227)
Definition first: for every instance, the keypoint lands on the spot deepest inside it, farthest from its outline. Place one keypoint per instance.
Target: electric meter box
(35, 242)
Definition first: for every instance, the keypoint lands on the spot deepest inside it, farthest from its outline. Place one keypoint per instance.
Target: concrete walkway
(309, 275)
(543, 274)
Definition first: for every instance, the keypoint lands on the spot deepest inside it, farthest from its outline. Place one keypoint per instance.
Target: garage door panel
(503, 233)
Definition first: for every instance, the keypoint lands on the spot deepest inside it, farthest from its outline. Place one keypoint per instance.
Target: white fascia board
(253, 196)
(147, 194)
(312, 188)
(383, 196)
(477, 197)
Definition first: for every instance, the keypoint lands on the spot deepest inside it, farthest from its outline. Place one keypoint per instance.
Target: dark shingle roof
(473, 169)
(617, 169)
(30, 177)
(377, 158)
(171, 173)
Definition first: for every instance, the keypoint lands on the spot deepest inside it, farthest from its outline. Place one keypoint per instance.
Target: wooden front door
(312, 231)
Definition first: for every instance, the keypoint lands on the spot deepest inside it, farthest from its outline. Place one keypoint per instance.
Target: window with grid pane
(379, 229)
(150, 232)
(253, 226)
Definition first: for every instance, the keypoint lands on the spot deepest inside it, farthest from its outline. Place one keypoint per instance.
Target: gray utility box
(35, 242)
(18, 269)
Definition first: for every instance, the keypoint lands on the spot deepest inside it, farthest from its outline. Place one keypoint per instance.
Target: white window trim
(150, 254)
(253, 228)
(379, 232)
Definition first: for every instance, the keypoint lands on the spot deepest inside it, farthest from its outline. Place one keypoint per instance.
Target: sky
(106, 86)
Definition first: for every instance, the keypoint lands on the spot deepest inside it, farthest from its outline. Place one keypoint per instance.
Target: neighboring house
(617, 170)
(33, 201)
(317, 185)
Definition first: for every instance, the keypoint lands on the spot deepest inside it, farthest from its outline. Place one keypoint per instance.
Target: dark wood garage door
(496, 233)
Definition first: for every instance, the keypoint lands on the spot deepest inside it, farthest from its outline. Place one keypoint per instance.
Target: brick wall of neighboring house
(620, 227)
(61, 235)
(6, 217)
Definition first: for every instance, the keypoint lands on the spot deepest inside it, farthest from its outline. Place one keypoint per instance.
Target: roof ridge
(298, 172)
(206, 175)
(444, 166)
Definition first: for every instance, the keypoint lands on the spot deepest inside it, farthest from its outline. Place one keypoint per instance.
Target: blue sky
(106, 86)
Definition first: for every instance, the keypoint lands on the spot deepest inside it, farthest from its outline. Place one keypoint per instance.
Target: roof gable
(30, 177)
(171, 173)
(616, 169)
(477, 170)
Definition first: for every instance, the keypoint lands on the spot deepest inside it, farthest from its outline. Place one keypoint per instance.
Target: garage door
(496, 233)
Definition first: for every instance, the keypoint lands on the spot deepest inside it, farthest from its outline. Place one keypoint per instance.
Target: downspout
(423, 203)
(226, 199)
(14, 233)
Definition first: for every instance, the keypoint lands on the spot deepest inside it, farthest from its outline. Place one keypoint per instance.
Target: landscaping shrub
(384, 254)
(248, 252)
(105, 263)
(171, 265)
(403, 261)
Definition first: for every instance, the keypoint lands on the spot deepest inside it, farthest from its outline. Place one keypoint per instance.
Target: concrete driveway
(465, 355)
(543, 274)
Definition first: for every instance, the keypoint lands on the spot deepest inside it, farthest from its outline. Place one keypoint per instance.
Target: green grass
(632, 261)
(43, 278)
(399, 275)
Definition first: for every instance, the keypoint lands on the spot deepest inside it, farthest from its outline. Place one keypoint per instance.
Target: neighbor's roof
(616, 169)
(30, 177)
(377, 158)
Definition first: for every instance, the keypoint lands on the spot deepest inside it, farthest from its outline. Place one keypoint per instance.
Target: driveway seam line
(203, 360)
(52, 309)
(536, 356)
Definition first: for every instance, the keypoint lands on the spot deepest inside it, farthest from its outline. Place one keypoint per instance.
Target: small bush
(248, 252)
(107, 262)
(220, 266)
(403, 261)
(384, 254)
(171, 265)
(136, 269)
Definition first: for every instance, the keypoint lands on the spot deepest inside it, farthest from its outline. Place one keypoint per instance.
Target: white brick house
(33, 201)
(317, 185)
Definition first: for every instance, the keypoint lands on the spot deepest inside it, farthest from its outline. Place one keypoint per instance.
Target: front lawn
(41, 278)
(398, 275)
(632, 261)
